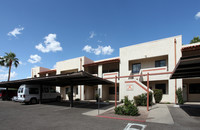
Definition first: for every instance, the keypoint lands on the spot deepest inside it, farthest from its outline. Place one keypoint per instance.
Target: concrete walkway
(159, 113)
(95, 112)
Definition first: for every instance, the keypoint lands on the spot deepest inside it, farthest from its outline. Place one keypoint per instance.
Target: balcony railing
(153, 70)
(110, 75)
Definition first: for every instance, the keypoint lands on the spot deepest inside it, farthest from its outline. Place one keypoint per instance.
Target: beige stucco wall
(36, 70)
(73, 65)
(152, 49)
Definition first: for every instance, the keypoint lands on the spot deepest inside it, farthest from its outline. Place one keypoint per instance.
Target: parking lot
(58, 115)
(14, 115)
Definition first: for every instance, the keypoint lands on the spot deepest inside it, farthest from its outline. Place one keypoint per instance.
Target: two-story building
(155, 58)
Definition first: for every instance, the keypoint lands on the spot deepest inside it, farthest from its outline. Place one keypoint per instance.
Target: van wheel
(58, 99)
(33, 101)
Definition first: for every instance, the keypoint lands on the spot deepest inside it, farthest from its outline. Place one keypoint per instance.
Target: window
(194, 89)
(52, 90)
(33, 91)
(20, 90)
(112, 90)
(162, 87)
(46, 90)
(160, 63)
(136, 68)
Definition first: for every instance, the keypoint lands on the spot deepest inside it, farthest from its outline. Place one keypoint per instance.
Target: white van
(31, 94)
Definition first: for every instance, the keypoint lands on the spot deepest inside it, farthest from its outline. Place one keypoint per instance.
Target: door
(194, 92)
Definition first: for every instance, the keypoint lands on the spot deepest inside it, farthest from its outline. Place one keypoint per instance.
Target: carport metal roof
(76, 78)
(189, 64)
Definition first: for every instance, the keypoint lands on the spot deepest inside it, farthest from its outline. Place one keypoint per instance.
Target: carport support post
(147, 91)
(71, 97)
(40, 101)
(115, 91)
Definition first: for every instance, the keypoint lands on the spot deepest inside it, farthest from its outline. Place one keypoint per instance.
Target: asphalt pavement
(59, 116)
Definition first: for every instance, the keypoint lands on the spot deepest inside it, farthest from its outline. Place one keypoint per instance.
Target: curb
(122, 118)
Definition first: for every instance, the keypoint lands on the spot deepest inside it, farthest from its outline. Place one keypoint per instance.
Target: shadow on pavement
(191, 110)
(80, 104)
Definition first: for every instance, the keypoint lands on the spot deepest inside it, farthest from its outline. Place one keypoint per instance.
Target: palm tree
(8, 60)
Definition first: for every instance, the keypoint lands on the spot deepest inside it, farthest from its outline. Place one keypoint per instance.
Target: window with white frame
(160, 63)
(136, 68)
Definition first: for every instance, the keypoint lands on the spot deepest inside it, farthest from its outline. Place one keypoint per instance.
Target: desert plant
(141, 100)
(126, 101)
(179, 96)
(107, 101)
(97, 97)
(127, 109)
(158, 95)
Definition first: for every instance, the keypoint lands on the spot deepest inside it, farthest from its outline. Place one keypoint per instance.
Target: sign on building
(129, 87)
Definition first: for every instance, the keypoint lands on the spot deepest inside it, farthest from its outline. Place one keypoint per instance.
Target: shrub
(141, 100)
(97, 97)
(127, 109)
(126, 101)
(77, 99)
(107, 101)
(122, 100)
(158, 95)
(179, 96)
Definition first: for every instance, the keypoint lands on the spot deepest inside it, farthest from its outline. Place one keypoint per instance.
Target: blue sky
(41, 33)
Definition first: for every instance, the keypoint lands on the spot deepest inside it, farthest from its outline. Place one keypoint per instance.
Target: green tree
(195, 40)
(8, 60)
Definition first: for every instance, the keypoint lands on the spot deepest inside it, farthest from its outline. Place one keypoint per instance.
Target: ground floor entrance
(90, 92)
(191, 90)
(108, 92)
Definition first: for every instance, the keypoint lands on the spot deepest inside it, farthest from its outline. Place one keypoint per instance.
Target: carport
(189, 64)
(70, 79)
(188, 69)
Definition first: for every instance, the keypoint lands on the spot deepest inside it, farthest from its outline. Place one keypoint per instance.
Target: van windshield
(20, 90)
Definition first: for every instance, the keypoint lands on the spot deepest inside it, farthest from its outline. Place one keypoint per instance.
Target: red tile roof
(190, 48)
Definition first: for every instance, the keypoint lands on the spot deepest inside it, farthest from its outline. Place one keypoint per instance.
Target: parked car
(30, 94)
(11, 93)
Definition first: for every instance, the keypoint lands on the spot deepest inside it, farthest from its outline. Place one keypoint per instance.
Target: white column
(100, 74)
(81, 92)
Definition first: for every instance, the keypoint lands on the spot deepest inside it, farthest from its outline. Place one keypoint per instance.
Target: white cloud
(104, 50)
(15, 32)
(50, 44)
(34, 59)
(197, 16)
(92, 34)
(88, 48)
(5, 76)
(107, 50)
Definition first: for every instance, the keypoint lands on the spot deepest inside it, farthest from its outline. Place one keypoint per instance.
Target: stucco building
(155, 58)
